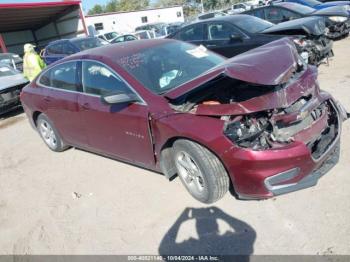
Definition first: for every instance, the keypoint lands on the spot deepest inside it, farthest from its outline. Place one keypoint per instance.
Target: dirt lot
(80, 203)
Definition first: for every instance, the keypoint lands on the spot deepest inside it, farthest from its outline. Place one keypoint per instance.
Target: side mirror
(235, 38)
(119, 99)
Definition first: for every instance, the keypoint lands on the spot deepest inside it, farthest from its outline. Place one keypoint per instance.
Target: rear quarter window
(62, 76)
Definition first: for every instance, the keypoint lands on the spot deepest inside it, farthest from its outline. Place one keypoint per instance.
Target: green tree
(166, 3)
(111, 6)
(97, 9)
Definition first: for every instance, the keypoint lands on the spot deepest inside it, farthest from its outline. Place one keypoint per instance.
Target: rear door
(194, 34)
(60, 96)
(225, 39)
(120, 130)
(274, 15)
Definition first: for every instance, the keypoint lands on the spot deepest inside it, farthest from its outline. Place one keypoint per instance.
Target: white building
(126, 22)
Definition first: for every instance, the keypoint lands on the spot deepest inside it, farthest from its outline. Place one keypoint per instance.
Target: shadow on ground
(217, 233)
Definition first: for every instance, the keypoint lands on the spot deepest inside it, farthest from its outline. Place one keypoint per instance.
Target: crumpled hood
(332, 11)
(310, 25)
(257, 66)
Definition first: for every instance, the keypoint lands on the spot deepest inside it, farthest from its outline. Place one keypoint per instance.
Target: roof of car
(123, 49)
(230, 18)
(70, 40)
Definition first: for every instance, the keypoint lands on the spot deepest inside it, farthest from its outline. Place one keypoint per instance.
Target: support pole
(82, 17)
(2, 45)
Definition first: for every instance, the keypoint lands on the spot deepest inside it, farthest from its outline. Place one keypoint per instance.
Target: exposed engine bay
(314, 49)
(268, 129)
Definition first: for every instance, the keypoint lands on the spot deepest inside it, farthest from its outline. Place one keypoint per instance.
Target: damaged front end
(315, 50)
(338, 29)
(279, 123)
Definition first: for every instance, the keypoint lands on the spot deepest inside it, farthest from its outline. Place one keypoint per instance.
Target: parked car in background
(11, 83)
(179, 109)
(173, 27)
(108, 36)
(159, 29)
(13, 60)
(319, 5)
(239, 8)
(211, 15)
(145, 34)
(235, 34)
(124, 38)
(336, 18)
(61, 48)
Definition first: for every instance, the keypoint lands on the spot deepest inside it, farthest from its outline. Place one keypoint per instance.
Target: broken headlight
(250, 132)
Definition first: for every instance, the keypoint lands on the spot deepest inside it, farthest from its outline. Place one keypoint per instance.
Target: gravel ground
(80, 203)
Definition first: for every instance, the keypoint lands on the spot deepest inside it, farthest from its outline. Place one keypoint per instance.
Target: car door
(258, 12)
(274, 15)
(193, 34)
(53, 53)
(225, 39)
(60, 96)
(120, 130)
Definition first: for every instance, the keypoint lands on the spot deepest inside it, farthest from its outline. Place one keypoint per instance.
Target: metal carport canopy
(34, 15)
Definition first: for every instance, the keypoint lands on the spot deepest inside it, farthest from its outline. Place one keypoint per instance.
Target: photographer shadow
(237, 238)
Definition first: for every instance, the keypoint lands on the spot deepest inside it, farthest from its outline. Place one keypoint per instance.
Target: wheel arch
(35, 116)
(166, 161)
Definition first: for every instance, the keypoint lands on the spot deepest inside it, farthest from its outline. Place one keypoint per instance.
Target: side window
(258, 13)
(99, 80)
(62, 76)
(221, 31)
(98, 26)
(144, 19)
(55, 49)
(273, 14)
(289, 15)
(45, 78)
(192, 33)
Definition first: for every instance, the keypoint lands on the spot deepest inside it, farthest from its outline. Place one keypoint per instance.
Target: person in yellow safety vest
(32, 62)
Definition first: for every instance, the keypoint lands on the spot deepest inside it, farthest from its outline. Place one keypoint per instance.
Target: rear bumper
(264, 174)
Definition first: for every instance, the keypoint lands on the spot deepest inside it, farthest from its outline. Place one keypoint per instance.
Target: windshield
(252, 24)
(167, 66)
(88, 43)
(311, 3)
(6, 71)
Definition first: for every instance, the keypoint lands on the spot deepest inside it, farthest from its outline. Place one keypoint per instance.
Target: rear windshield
(252, 24)
(88, 43)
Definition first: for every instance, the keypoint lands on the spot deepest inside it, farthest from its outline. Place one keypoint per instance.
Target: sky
(87, 4)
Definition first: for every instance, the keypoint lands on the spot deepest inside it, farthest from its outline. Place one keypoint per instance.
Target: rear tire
(200, 171)
(49, 134)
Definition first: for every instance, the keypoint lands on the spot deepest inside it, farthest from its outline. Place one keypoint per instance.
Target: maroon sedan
(257, 123)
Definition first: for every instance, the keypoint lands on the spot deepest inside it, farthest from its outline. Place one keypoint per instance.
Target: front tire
(49, 134)
(200, 171)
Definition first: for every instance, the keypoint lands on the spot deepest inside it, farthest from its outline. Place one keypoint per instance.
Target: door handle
(47, 99)
(86, 106)
(210, 46)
